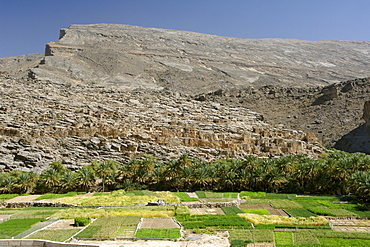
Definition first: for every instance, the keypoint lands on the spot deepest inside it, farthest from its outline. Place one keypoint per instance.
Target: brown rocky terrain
(43, 122)
(119, 92)
(338, 114)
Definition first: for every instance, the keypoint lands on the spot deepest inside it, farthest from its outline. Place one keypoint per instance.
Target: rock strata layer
(133, 57)
(42, 122)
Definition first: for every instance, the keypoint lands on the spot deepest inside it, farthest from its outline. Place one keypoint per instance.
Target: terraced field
(263, 219)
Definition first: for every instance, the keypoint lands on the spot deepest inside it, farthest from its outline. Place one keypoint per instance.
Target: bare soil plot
(255, 206)
(269, 208)
(350, 225)
(4, 216)
(63, 225)
(201, 211)
(192, 194)
(157, 222)
(23, 198)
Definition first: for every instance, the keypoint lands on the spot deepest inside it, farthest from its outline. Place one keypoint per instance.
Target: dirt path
(204, 240)
(23, 198)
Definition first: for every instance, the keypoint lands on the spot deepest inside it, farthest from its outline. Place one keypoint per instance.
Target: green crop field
(13, 227)
(252, 225)
(59, 235)
(173, 233)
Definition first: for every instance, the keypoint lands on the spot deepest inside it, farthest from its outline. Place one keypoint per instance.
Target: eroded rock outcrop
(44, 122)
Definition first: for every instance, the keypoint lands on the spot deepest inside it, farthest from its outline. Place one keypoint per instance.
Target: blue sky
(27, 25)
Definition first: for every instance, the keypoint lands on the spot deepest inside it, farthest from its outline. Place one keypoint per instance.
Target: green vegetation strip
(184, 197)
(122, 199)
(182, 210)
(108, 228)
(13, 227)
(252, 236)
(4, 197)
(54, 235)
(232, 210)
(330, 242)
(213, 222)
(56, 196)
(158, 233)
(283, 239)
(260, 211)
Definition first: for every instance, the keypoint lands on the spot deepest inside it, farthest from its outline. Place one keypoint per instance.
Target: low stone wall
(34, 204)
(38, 243)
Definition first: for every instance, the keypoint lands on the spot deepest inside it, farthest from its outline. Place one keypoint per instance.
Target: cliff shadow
(358, 140)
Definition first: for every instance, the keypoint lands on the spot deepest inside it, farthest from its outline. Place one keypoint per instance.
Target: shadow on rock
(358, 140)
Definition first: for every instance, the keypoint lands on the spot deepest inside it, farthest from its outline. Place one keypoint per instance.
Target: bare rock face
(76, 124)
(136, 57)
(329, 112)
(366, 115)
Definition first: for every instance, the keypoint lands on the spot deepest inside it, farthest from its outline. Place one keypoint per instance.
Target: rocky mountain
(132, 57)
(119, 92)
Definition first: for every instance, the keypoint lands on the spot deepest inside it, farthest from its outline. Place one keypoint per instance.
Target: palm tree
(360, 185)
(68, 181)
(8, 184)
(26, 182)
(105, 169)
(86, 178)
(50, 179)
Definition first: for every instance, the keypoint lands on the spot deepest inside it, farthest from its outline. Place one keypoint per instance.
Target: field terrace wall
(39, 243)
(34, 204)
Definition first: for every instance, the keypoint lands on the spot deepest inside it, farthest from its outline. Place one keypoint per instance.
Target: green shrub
(82, 221)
